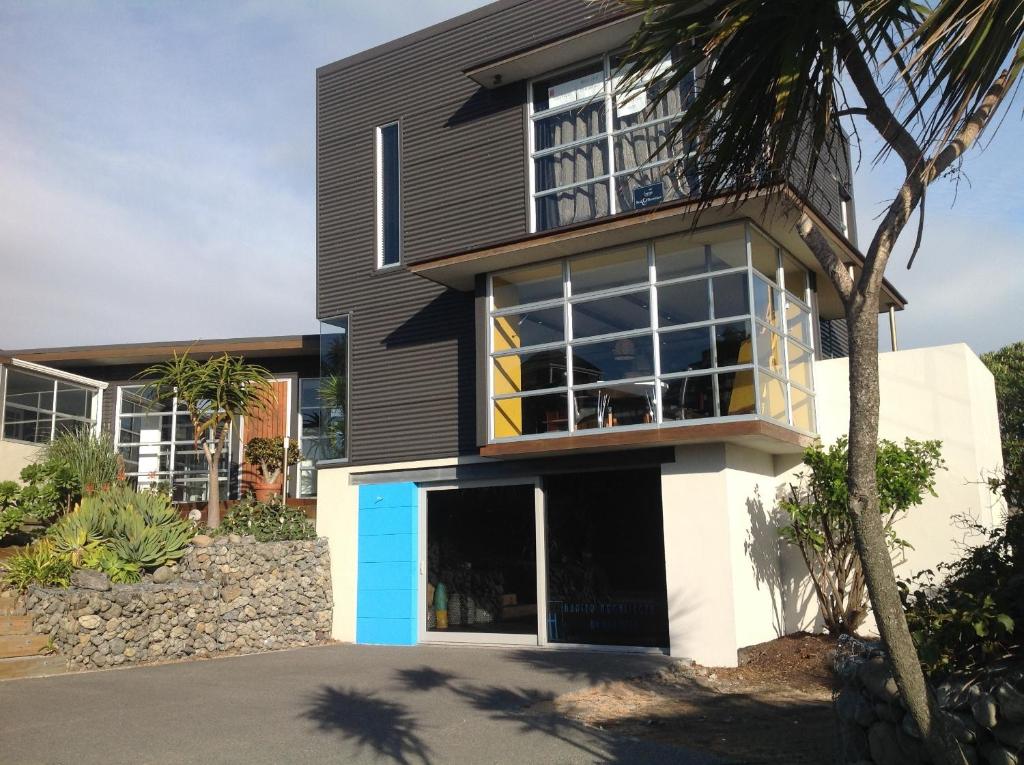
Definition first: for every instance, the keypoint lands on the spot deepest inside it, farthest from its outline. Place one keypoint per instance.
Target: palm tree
(776, 75)
(215, 393)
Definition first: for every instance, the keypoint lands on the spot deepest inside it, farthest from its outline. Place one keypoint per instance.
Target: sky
(157, 177)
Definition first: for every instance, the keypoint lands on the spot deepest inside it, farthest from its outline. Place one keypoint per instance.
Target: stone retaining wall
(227, 594)
(985, 711)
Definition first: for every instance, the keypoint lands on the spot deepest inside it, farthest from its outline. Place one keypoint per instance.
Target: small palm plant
(214, 392)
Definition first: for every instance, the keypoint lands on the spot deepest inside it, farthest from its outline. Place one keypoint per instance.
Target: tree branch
(974, 126)
(827, 257)
(913, 188)
(877, 110)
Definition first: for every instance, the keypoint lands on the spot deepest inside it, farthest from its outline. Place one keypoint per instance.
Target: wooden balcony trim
(787, 439)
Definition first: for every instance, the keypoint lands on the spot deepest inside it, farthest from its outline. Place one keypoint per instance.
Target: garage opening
(606, 559)
(482, 560)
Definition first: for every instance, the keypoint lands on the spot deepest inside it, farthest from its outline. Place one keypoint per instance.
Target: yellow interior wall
(508, 378)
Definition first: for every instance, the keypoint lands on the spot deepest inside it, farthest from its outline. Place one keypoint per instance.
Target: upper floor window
(389, 227)
(595, 153)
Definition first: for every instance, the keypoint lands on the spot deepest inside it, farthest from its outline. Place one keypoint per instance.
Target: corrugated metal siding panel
(464, 179)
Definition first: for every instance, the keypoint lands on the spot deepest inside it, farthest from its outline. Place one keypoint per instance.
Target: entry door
(274, 421)
(482, 546)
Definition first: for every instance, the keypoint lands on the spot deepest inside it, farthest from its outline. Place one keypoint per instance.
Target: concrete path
(329, 704)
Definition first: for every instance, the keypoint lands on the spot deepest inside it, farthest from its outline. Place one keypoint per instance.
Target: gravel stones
(85, 579)
(239, 596)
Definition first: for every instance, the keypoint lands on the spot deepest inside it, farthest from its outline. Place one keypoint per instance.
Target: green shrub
(268, 453)
(965, 616)
(820, 527)
(11, 514)
(39, 563)
(271, 521)
(89, 457)
(110, 563)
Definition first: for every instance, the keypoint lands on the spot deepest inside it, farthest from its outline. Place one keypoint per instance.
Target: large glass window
(595, 153)
(37, 407)
(159, 446)
(713, 323)
(330, 428)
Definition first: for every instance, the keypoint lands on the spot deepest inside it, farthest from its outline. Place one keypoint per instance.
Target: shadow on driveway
(368, 722)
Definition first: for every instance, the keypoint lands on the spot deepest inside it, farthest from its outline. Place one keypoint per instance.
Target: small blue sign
(648, 196)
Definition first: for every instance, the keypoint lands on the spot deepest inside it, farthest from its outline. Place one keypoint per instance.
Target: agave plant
(152, 546)
(77, 533)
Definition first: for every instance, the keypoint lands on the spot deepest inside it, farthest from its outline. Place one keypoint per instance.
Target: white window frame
(172, 444)
(57, 376)
(299, 469)
(612, 174)
(659, 378)
(379, 195)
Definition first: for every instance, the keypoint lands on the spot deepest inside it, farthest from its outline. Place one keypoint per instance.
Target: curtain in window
(638, 143)
(574, 165)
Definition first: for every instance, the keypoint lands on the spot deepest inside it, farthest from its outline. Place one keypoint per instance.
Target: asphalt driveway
(328, 704)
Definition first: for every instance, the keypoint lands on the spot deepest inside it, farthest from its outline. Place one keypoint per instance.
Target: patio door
(481, 551)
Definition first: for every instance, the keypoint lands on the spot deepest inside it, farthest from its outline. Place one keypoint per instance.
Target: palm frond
(768, 84)
(960, 50)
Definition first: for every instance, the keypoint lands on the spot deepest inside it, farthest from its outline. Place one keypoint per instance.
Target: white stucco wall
(337, 518)
(13, 457)
(943, 393)
(721, 551)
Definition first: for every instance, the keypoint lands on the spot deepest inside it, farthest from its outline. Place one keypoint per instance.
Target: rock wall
(985, 712)
(228, 594)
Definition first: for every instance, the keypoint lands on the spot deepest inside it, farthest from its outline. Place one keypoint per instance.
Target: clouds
(159, 164)
(158, 168)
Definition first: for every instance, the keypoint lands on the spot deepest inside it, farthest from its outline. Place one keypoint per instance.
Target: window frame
(303, 438)
(347, 316)
(609, 135)
(655, 330)
(379, 205)
(57, 379)
(172, 445)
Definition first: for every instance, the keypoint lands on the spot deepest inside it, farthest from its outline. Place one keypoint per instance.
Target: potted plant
(267, 454)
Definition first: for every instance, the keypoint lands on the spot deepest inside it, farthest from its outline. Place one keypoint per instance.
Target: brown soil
(774, 708)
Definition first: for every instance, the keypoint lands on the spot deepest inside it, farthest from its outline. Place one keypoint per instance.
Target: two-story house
(571, 399)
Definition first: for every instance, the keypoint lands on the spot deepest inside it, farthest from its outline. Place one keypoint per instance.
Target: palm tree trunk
(870, 538)
(212, 452)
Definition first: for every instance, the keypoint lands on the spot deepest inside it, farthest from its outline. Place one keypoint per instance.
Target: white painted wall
(337, 518)
(698, 565)
(13, 457)
(943, 393)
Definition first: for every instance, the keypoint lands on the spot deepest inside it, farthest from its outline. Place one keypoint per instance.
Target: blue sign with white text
(648, 196)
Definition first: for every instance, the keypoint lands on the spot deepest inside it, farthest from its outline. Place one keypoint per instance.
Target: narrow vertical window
(389, 230)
